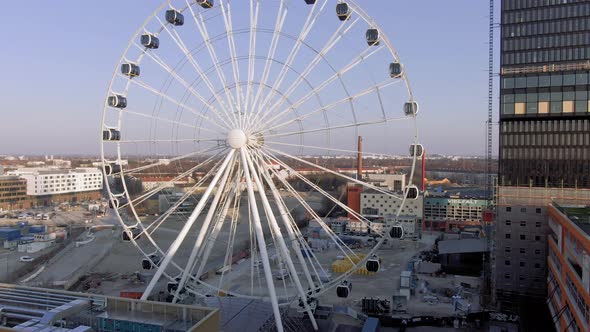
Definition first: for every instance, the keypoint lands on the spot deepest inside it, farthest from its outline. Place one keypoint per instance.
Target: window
(523, 223)
(537, 251)
(507, 262)
(537, 265)
(507, 235)
(538, 224)
(522, 236)
(538, 210)
(522, 264)
(507, 276)
(521, 277)
(522, 250)
(508, 209)
(537, 238)
(523, 210)
(508, 222)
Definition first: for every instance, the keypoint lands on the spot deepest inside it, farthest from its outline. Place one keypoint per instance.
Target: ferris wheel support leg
(279, 237)
(261, 242)
(184, 232)
(203, 232)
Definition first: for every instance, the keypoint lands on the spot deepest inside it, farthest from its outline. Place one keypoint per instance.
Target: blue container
(37, 229)
(9, 234)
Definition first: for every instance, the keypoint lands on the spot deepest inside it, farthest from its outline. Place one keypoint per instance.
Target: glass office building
(545, 93)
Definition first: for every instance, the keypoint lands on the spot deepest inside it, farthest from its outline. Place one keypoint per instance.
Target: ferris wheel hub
(237, 138)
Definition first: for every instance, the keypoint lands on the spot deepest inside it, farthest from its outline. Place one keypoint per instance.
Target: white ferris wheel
(236, 101)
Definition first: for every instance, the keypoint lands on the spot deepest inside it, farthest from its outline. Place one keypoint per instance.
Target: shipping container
(131, 295)
(37, 229)
(9, 234)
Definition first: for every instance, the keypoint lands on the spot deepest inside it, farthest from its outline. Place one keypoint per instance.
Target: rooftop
(462, 246)
(579, 215)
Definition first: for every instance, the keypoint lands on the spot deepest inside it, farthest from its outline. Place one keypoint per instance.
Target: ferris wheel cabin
(373, 264)
(205, 3)
(343, 290)
(151, 262)
(118, 202)
(131, 232)
(412, 192)
(130, 69)
(117, 101)
(111, 134)
(149, 41)
(343, 11)
(396, 232)
(416, 150)
(112, 168)
(372, 37)
(174, 17)
(396, 69)
(310, 2)
(411, 108)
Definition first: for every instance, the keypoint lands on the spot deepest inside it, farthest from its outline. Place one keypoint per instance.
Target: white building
(410, 224)
(45, 181)
(378, 204)
(393, 182)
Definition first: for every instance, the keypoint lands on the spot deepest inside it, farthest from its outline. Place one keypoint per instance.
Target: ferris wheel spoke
(339, 243)
(347, 178)
(184, 232)
(160, 163)
(306, 29)
(202, 27)
(276, 230)
(363, 57)
(180, 140)
(323, 148)
(140, 199)
(227, 18)
(260, 239)
(333, 41)
(221, 193)
(281, 16)
(284, 214)
(177, 103)
(156, 59)
(251, 50)
(327, 129)
(182, 46)
(174, 122)
(155, 225)
(272, 123)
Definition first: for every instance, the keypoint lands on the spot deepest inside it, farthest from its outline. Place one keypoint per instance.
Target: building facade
(393, 182)
(568, 279)
(544, 147)
(378, 204)
(45, 182)
(444, 213)
(13, 192)
(545, 93)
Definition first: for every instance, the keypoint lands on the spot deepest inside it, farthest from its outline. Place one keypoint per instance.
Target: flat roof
(579, 215)
(462, 246)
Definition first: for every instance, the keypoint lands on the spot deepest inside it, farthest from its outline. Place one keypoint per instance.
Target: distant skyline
(59, 58)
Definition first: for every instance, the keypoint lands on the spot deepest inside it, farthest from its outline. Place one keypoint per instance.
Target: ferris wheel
(232, 110)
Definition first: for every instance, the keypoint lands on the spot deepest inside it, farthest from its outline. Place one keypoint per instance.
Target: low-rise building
(47, 185)
(446, 213)
(13, 192)
(568, 278)
(379, 204)
(393, 182)
(45, 181)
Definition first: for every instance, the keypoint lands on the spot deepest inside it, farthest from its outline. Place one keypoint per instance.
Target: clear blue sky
(58, 56)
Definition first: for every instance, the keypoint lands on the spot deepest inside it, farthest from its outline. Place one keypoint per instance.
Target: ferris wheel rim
(119, 155)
